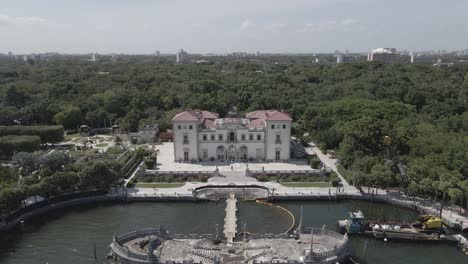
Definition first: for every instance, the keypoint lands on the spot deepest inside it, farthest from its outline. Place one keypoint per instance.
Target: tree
(98, 175)
(28, 162)
(10, 198)
(69, 117)
(54, 161)
(15, 96)
(455, 195)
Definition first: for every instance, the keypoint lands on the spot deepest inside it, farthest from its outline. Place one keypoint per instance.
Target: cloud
(327, 26)
(275, 26)
(348, 21)
(10, 20)
(247, 24)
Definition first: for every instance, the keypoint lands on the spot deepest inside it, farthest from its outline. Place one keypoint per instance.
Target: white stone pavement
(277, 188)
(133, 174)
(166, 163)
(230, 221)
(328, 161)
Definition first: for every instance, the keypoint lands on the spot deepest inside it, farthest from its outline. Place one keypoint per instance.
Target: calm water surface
(69, 237)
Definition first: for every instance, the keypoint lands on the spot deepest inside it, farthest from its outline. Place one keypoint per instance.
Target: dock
(462, 243)
(230, 221)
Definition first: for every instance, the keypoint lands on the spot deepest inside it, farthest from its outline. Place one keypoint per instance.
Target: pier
(230, 221)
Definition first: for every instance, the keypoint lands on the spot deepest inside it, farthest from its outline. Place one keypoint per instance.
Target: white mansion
(202, 135)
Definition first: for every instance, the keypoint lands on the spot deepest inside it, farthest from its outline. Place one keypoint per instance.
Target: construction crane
(427, 221)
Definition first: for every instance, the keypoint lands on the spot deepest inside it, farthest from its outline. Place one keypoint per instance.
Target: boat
(427, 228)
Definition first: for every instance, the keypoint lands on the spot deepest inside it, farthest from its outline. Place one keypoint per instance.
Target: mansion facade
(262, 135)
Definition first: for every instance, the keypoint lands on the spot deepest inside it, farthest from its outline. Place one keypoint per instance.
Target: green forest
(348, 108)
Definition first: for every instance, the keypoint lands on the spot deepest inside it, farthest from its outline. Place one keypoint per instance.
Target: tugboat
(427, 228)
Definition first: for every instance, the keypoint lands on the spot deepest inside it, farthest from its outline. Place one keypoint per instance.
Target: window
(232, 136)
(259, 137)
(212, 136)
(243, 137)
(185, 126)
(284, 126)
(204, 137)
(205, 153)
(186, 156)
(278, 139)
(251, 137)
(272, 126)
(179, 127)
(277, 155)
(185, 139)
(220, 137)
(190, 127)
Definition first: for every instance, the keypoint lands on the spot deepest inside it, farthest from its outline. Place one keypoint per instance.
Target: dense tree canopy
(349, 108)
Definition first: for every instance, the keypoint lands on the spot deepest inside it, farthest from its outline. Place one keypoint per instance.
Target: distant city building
(158, 53)
(385, 55)
(439, 63)
(344, 58)
(420, 58)
(260, 135)
(240, 54)
(462, 52)
(181, 56)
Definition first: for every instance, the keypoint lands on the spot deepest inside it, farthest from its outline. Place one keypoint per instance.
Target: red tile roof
(194, 115)
(207, 119)
(269, 115)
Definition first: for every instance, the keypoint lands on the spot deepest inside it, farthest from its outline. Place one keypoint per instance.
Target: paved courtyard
(166, 163)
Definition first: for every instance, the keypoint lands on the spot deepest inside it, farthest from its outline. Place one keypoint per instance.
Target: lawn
(101, 145)
(306, 184)
(159, 184)
(72, 136)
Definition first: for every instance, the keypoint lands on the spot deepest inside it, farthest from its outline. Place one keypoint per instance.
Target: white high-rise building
(260, 135)
(181, 56)
(386, 55)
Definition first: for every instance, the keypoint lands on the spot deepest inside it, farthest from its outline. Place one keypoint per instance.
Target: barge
(427, 228)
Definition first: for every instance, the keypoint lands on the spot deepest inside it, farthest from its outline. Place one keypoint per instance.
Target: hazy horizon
(210, 26)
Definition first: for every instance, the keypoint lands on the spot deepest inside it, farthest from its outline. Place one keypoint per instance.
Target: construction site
(157, 245)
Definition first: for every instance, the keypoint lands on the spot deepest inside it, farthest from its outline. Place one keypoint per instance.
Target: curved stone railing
(118, 242)
(335, 251)
(123, 238)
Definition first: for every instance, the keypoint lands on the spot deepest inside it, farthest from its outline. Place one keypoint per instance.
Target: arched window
(232, 136)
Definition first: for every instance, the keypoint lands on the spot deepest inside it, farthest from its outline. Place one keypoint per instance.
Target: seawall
(120, 198)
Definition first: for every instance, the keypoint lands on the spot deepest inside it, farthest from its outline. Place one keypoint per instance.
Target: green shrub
(11, 144)
(142, 152)
(47, 134)
(334, 179)
(131, 183)
(315, 163)
(149, 162)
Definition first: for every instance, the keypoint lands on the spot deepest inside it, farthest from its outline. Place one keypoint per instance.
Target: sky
(220, 26)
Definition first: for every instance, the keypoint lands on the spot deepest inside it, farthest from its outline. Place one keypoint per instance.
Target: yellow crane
(427, 221)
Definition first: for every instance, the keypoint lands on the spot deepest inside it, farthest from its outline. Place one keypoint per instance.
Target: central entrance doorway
(232, 153)
(220, 153)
